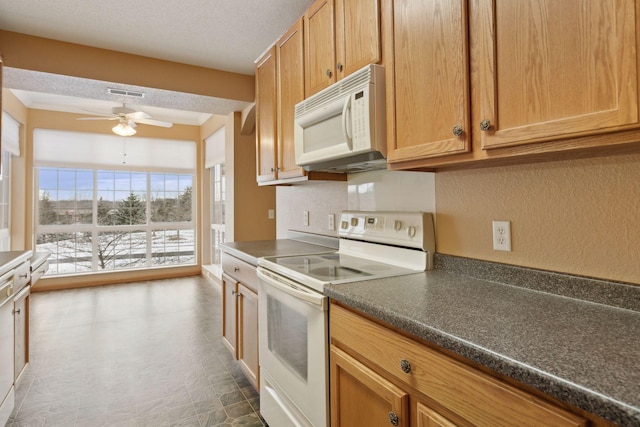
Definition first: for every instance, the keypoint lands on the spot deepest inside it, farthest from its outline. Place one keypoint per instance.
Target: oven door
(293, 336)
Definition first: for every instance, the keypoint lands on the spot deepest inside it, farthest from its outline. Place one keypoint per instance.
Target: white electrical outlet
(305, 218)
(502, 236)
(331, 225)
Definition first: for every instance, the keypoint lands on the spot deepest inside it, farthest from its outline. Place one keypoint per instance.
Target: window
(121, 217)
(217, 212)
(94, 220)
(214, 161)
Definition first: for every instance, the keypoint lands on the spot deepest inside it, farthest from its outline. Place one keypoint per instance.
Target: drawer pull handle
(405, 366)
(393, 418)
(236, 269)
(24, 276)
(16, 311)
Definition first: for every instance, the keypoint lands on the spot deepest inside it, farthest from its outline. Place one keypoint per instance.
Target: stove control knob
(411, 231)
(397, 225)
(344, 224)
(354, 221)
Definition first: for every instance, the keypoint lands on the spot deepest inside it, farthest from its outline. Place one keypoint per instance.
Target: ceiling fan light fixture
(123, 129)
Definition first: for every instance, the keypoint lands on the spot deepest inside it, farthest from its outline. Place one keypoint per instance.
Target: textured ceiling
(221, 34)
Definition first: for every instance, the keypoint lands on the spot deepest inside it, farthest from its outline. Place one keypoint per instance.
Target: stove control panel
(406, 229)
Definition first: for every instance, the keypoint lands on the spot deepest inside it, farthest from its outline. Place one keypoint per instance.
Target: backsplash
(375, 191)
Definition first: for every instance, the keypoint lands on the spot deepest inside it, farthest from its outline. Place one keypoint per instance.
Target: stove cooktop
(318, 270)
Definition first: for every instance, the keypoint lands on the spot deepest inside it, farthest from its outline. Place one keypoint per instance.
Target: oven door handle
(291, 288)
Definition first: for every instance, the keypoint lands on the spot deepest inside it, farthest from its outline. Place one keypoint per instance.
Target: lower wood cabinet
(230, 314)
(248, 333)
(21, 331)
(240, 315)
(386, 378)
(359, 396)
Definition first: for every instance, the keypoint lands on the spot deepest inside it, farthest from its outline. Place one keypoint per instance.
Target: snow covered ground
(119, 251)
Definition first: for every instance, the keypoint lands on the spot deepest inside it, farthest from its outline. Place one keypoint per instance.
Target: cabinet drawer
(241, 271)
(466, 391)
(39, 272)
(21, 275)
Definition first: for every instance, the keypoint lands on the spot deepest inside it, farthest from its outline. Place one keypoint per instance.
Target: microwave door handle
(346, 124)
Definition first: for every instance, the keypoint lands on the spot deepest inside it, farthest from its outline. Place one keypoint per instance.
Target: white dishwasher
(7, 396)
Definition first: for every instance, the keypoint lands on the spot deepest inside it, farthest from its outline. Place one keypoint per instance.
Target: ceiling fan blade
(155, 123)
(97, 118)
(138, 115)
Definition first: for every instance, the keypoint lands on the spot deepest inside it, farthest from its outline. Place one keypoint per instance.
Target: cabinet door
(358, 35)
(248, 334)
(427, 78)
(290, 56)
(229, 314)
(21, 333)
(552, 69)
(427, 417)
(319, 47)
(361, 397)
(266, 107)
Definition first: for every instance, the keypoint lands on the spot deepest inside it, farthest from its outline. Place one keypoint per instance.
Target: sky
(70, 184)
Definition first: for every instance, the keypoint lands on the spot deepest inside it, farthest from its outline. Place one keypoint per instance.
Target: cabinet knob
(393, 418)
(233, 292)
(236, 269)
(16, 311)
(457, 130)
(485, 125)
(405, 366)
(273, 170)
(339, 66)
(329, 72)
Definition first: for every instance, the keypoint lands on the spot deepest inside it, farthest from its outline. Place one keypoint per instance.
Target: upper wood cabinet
(427, 78)
(279, 87)
(508, 82)
(266, 116)
(552, 69)
(341, 36)
(290, 71)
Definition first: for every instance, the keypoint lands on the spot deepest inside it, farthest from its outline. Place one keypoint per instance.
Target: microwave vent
(349, 84)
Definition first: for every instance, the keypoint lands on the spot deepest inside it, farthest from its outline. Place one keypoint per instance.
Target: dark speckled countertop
(581, 352)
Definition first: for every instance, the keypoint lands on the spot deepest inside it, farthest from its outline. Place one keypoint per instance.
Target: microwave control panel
(360, 130)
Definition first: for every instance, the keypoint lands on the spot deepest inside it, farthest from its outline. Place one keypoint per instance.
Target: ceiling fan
(128, 119)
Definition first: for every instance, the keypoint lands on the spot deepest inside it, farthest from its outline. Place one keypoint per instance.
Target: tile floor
(142, 354)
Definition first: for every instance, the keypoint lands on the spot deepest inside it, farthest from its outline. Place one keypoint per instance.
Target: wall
(249, 219)
(580, 217)
(377, 190)
(69, 59)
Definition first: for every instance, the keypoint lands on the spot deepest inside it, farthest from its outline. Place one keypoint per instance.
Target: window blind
(74, 149)
(214, 148)
(10, 134)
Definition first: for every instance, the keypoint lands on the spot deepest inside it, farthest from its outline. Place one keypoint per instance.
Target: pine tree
(131, 211)
(48, 214)
(184, 205)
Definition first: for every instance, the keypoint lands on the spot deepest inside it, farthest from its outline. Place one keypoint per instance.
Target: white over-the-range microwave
(342, 128)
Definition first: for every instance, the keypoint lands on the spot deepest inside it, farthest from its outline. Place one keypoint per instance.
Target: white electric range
(293, 311)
